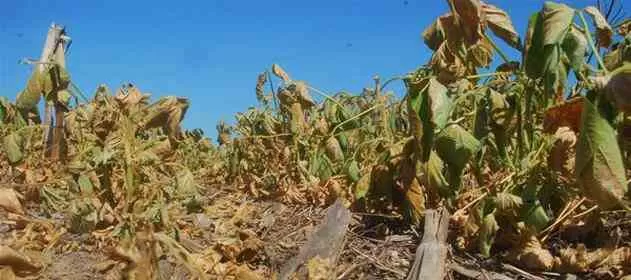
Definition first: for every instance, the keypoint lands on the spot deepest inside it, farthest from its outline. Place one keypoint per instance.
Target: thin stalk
(483, 75)
(590, 40)
(387, 82)
(271, 85)
(355, 117)
(327, 96)
(497, 49)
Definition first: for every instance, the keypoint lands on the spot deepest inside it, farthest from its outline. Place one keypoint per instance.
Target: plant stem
(355, 117)
(492, 74)
(325, 95)
(497, 49)
(590, 40)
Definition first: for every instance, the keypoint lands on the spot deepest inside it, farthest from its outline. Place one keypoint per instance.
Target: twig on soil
(477, 274)
(523, 273)
(377, 263)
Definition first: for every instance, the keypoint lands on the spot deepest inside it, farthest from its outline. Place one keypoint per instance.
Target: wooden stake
(60, 110)
(431, 254)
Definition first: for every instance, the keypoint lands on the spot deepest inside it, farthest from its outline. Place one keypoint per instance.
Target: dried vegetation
(532, 163)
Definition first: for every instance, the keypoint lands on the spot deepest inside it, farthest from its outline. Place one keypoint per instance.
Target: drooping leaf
(557, 19)
(470, 18)
(546, 32)
(500, 23)
(434, 35)
(334, 150)
(414, 203)
(534, 47)
(599, 166)
(501, 111)
(433, 175)
(480, 54)
(280, 73)
(433, 107)
(566, 114)
(455, 146)
(575, 47)
(604, 32)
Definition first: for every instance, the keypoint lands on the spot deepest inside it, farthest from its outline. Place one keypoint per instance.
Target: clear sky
(211, 51)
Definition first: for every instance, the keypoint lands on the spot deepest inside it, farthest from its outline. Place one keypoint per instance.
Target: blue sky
(211, 51)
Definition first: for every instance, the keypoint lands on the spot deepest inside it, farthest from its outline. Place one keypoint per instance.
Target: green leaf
(546, 32)
(352, 171)
(433, 107)
(362, 186)
(485, 213)
(575, 47)
(599, 166)
(534, 48)
(533, 213)
(499, 22)
(85, 184)
(501, 111)
(12, 145)
(433, 170)
(455, 146)
(557, 19)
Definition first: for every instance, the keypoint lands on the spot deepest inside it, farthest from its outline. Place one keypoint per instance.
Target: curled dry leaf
(500, 23)
(280, 73)
(563, 150)
(9, 201)
(567, 114)
(531, 255)
(603, 29)
(471, 18)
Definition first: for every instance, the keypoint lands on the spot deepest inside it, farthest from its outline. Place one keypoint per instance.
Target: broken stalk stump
(431, 254)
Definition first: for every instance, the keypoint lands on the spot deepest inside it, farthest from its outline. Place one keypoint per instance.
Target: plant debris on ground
(532, 161)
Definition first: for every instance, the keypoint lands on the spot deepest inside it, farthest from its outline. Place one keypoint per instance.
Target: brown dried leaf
(567, 114)
(9, 201)
(129, 95)
(17, 261)
(603, 29)
(500, 23)
(280, 73)
(531, 255)
(471, 18)
(563, 150)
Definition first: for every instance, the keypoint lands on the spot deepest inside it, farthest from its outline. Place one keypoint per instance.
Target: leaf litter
(317, 185)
